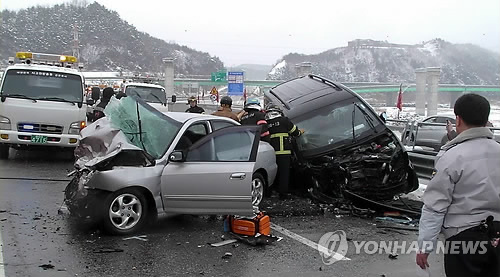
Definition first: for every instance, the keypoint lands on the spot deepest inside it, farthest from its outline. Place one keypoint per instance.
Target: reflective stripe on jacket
(280, 129)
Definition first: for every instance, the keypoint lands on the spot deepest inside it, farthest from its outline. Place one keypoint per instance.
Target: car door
(425, 132)
(215, 175)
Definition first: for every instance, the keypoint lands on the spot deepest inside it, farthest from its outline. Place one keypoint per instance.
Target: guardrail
(423, 164)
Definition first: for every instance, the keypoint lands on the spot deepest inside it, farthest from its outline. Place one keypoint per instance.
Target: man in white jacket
(463, 198)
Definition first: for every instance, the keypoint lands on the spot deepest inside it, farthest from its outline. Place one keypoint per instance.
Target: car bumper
(24, 138)
(83, 202)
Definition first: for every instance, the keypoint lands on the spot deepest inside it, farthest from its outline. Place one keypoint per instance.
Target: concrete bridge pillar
(421, 80)
(169, 76)
(432, 99)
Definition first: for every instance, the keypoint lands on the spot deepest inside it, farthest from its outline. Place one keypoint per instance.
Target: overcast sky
(262, 31)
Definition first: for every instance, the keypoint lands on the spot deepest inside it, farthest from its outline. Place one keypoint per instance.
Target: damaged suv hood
(130, 125)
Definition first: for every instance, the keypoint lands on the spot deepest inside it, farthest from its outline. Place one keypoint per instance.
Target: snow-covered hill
(107, 43)
(379, 61)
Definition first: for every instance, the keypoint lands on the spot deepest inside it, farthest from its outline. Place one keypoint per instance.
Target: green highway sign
(219, 76)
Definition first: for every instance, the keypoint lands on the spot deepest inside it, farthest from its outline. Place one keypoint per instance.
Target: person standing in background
(462, 200)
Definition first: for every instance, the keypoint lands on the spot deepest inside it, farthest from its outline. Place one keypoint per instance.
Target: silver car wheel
(257, 190)
(125, 211)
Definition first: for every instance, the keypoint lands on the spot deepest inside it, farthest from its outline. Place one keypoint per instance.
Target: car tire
(4, 151)
(258, 188)
(124, 212)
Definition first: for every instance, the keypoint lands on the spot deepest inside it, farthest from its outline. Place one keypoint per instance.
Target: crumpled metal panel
(100, 141)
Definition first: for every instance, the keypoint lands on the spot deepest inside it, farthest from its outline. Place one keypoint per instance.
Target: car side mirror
(174, 98)
(177, 156)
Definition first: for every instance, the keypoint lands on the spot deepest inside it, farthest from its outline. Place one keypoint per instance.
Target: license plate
(38, 139)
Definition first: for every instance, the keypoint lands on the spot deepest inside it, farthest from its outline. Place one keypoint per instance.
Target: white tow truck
(154, 95)
(41, 102)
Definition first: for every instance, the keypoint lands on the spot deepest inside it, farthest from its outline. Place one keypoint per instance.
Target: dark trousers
(476, 264)
(283, 162)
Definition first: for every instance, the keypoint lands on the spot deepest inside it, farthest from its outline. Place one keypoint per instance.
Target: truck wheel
(124, 212)
(4, 151)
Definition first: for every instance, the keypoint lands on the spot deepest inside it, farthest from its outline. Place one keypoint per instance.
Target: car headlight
(4, 123)
(76, 127)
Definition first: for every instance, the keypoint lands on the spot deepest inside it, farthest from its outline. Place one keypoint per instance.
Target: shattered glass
(143, 126)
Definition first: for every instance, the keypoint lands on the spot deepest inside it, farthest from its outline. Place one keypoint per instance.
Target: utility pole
(76, 42)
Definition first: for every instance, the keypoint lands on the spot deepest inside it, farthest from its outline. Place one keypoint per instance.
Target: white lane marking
(309, 243)
(141, 237)
(2, 269)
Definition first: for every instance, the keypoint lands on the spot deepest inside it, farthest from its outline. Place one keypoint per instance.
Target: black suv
(346, 149)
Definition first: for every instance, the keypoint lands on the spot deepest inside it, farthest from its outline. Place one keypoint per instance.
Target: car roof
(307, 93)
(45, 68)
(184, 117)
(144, 85)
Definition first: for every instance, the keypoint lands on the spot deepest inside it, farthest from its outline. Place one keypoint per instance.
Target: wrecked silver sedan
(137, 163)
(346, 150)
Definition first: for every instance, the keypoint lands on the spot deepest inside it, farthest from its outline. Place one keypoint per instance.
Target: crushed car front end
(346, 150)
(119, 152)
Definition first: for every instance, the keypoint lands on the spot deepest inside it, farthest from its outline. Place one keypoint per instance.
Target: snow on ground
(417, 194)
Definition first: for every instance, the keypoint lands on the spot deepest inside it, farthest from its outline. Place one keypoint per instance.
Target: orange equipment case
(251, 226)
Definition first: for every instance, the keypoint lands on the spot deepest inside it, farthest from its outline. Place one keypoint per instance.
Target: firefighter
(254, 116)
(225, 108)
(107, 93)
(281, 129)
(194, 108)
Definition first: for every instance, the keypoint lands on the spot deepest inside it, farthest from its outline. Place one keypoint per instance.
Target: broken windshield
(336, 124)
(144, 126)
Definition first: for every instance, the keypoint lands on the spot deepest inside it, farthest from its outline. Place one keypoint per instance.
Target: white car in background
(154, 95)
